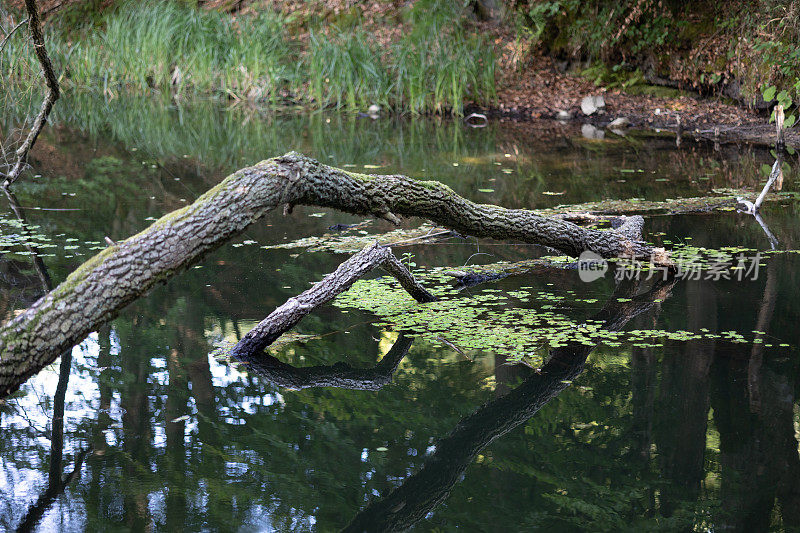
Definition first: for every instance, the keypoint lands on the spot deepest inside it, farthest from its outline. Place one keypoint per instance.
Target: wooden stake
(779, 143)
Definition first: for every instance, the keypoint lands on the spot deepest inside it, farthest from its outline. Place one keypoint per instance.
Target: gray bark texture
(95, 292)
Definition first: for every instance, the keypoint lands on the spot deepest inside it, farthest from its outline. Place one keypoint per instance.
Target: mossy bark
(101, 287)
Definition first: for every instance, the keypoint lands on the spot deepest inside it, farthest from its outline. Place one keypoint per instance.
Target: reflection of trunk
(174, 409)
(56, 482)
(340, 375)
(643, 394)
(102, 286)
(681, 435)
(758, 451)
(421, 492)
(762, 325)
(94, 463)
(754, 413)
(643, 388)
(778, 430)
(136, 431)
(507, 375)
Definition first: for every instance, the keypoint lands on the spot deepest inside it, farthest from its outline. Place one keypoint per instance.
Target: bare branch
(9, 34)
(50, 97)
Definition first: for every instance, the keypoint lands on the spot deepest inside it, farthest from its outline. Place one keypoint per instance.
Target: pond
(375, 415)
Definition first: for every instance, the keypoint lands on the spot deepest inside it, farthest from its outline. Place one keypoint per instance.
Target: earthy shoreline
(759, 134)
(542, 92)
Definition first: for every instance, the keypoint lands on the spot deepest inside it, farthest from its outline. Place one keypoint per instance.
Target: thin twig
(9, 34)
(50, 98)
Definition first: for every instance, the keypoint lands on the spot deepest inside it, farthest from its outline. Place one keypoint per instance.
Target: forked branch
(289, 314)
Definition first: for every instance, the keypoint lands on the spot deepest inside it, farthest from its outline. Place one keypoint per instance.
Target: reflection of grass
(175, 49)
(226, 139)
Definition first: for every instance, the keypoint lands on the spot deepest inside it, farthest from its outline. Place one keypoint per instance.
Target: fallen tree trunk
(101, 287)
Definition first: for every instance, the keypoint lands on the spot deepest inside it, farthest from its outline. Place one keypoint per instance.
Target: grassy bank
(436, 65)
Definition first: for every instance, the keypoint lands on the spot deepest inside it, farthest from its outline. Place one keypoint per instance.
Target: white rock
(619, 122)
(592, 104)
(563, 115)
(374, 109)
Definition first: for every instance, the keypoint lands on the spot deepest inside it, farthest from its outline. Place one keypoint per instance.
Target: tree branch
(292, 312)
(9, 34)
(50, 98)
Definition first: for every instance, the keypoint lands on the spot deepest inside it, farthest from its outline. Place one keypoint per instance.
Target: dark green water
(673, 435)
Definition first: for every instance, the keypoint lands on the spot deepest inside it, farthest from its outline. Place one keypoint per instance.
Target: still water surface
(150, 428)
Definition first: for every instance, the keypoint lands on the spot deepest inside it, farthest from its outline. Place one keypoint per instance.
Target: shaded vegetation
(743, 50)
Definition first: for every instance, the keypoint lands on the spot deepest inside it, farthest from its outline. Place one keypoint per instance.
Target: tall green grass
(346, 70)
(171, 48)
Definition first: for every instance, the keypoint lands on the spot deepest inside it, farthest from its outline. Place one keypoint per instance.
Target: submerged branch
(97, 291)
(290, 313)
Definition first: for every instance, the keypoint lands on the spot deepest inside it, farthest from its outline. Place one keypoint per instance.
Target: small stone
(563, 115)
(592, 104)
(619, 122)
(374, 109)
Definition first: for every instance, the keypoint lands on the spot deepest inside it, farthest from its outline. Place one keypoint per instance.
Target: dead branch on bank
(50, 97)
(95, 293)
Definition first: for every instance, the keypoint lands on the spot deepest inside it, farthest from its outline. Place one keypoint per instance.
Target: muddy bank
(542, 93)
